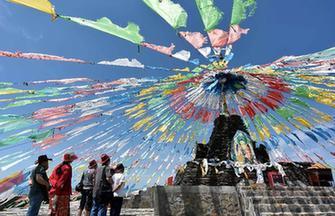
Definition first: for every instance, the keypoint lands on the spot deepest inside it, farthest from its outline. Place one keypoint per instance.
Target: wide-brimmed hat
(92, 164)
(42, 158)
(69, 157)
(104, 158)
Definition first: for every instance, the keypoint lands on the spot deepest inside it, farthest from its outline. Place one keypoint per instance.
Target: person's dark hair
(120, 167)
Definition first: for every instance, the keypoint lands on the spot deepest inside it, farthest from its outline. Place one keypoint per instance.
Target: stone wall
(196, 201)
(144, 199)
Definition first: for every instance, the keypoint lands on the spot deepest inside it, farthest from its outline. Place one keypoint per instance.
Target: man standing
(118, 189)
(61, 189)
(87, 181)
(103, 188)
(39, 185)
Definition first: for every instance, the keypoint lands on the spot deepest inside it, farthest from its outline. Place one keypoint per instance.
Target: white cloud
(7, 25)
(28, 36)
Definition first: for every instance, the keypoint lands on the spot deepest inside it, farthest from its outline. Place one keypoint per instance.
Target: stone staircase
(263, 201)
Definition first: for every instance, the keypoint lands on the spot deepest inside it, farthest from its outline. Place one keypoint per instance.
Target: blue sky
(286, 27)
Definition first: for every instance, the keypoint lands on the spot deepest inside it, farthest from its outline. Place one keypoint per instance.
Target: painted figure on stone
(242, 150)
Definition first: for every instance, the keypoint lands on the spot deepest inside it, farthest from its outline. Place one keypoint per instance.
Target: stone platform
(196, 200)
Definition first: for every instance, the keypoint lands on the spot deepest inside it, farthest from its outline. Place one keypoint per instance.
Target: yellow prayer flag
(171, 137)
(41, 5)
(138, 125)
(134, 109)
(303, 121)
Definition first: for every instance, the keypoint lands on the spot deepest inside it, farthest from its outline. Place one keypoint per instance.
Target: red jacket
(61, 180)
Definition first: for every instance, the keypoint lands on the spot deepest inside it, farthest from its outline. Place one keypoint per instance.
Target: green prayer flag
(210, 14)
(197, 70)
(14, 122)
(171, 12)
(285, 112)
(241, 10)
(129, 33)
(5, 84)
(258, 121)
(36, 137)
(12, 140)
(21, 103)
(46, 92)
(299, 102)
(303, 91)
(167, 86)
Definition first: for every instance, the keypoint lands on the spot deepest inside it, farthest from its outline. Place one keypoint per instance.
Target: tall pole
(223, 102)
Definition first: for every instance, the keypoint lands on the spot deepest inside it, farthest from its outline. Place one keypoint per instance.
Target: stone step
(294, 208)
(270, 193)
(309, 188)
(298, 214)
(330, 200)
(137, 212)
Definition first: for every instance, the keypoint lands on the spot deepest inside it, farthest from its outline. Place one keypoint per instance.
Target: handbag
(80, 186)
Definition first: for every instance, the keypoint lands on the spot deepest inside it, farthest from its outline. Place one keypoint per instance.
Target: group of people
(101, 186)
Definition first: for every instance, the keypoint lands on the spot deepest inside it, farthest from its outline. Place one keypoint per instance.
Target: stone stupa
(218, 149)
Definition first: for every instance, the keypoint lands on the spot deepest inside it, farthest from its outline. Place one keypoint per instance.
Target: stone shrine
(218, 150)
(230, 141)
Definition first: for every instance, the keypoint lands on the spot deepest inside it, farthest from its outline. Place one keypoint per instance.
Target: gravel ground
(74, 207)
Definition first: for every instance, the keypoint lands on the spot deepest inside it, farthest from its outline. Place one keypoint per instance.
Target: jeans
(35, 202)
(98, 209)
(116, 206)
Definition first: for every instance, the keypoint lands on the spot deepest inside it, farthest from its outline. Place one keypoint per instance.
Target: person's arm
(121, 184)
(109, 176)
(110, 180)
(94, 176)
(42, 181)
(118, 187)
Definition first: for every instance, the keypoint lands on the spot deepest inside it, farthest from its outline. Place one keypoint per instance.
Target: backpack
(105, 185)
(104, 193)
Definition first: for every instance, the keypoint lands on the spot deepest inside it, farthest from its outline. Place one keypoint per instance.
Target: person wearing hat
(87, 182)
(61, 188)
(39, 185)
(103, 188)
(118, 189)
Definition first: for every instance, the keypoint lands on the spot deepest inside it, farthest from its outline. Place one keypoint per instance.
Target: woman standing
(87, 181)
(61, 188)
(118, 189)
